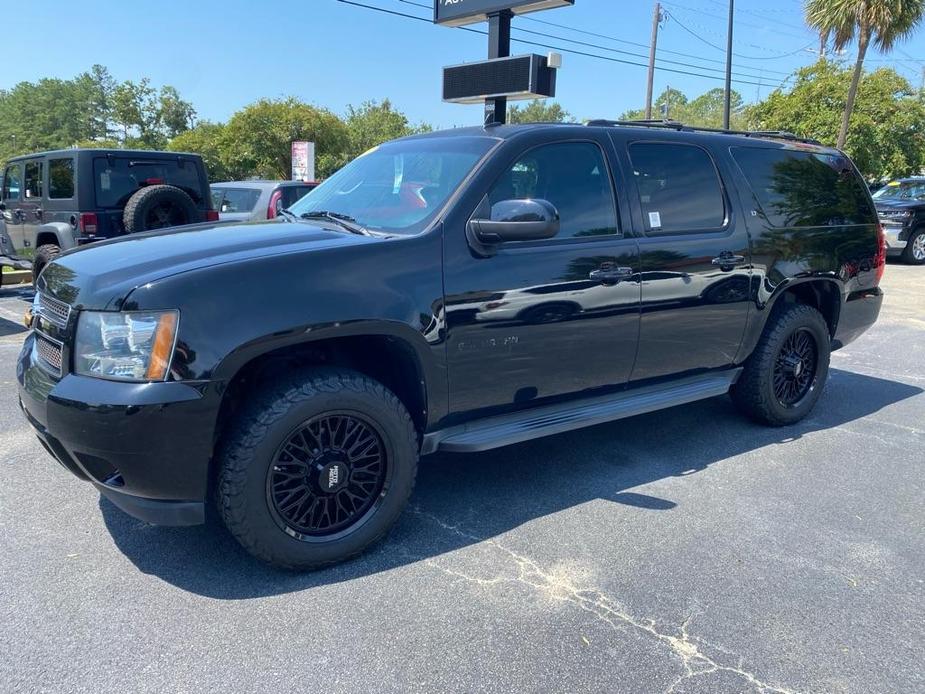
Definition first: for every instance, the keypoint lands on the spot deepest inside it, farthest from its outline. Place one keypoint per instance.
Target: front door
(528, 321)
(694, 260)
(12, 200)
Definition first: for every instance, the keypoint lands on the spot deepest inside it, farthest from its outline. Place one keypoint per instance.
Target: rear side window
(12, 182)
(679, 188)
(235, 199)
(805, 189)
(33, 179)
(116, 179)
(60, 178)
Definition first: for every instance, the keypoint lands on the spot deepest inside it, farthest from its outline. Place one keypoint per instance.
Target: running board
(503, 430)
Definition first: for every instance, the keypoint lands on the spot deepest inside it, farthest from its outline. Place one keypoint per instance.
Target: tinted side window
(570, 175)
(805, 189)
(679, 187)
(292, 194)
(33, 179)
(12, 182)
(60, 178)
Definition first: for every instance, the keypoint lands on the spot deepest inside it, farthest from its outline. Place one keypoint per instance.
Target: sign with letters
(303, 161)
(460, 12)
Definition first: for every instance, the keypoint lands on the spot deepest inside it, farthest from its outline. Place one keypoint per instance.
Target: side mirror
(517, 220)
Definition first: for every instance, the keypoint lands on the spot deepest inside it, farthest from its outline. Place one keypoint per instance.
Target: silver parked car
(242, 201)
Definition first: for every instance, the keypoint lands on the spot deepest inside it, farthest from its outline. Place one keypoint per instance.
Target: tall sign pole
(656, 18)
(499, 46)
(728, 95)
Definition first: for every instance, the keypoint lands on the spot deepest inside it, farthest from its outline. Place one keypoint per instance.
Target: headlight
(130, 346)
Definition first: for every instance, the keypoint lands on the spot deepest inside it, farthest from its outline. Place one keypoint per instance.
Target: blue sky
(224, 54)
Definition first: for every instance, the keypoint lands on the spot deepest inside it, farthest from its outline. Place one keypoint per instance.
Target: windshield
(901, 191)
(400, 186)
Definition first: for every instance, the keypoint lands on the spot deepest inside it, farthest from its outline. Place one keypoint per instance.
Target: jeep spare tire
(158, 207)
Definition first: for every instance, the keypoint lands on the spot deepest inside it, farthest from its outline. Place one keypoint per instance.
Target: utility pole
(728, 96)
(656, 18)
(499, 46)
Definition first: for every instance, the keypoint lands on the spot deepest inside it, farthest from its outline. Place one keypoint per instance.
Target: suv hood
(101, 275)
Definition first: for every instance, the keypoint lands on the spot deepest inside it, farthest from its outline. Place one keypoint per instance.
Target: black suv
(901, 206)
(52, 201)
(455, 291)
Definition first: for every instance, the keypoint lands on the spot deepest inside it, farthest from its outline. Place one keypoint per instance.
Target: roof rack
(677, 125)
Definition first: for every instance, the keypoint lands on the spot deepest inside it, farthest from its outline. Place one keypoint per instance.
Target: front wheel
(914, 252)
(783, 378)
(317, 469)
(44, 254)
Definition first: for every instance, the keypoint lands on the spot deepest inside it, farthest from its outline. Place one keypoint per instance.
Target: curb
(16, 277)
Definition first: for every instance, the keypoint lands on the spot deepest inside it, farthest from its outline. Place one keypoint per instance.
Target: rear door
(694, 259)
(32, 203)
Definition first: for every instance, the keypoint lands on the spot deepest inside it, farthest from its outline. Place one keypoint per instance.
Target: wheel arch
(391, 353)
(55, 233)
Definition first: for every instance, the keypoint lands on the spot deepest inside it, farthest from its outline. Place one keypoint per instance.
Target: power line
(700, 10)
(720, 48)
(563, 49)
(624, 41)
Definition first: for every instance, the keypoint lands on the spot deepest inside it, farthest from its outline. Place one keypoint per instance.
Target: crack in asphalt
(559, 586)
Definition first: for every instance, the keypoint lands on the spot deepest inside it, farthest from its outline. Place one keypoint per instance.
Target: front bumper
(145, 446)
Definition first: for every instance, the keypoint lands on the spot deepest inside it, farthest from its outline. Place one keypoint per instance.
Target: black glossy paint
(244, 291)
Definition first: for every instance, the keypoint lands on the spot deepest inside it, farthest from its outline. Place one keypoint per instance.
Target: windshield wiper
(287, 214)
(344, 221)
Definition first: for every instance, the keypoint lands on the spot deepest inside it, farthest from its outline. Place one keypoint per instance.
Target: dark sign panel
(517, 77)
(459, 12)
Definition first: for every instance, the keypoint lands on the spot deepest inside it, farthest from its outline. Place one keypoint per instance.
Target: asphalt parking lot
(687, 551)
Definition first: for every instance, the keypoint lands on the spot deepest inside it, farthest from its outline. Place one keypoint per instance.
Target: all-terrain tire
(754, 392)
(44, 254)
(915, 246)
(256, 438)
(158, 207)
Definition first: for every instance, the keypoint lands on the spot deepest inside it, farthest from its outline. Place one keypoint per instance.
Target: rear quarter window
(805, 189)
(235, 199)
(115, 179)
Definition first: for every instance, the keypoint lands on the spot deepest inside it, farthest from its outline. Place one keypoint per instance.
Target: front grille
(54, 310)
(49, 354)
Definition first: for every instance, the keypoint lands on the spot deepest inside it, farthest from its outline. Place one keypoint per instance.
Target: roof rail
(677, 125)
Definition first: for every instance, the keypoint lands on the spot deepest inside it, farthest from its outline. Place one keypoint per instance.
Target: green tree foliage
(881, 22)
(257, 139)
(90, 110)
(373, 123)
(886, 136)
(705, 110)
(206, 139)
(538, 111)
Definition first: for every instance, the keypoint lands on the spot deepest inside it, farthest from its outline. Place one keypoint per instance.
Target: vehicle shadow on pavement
(463, 499)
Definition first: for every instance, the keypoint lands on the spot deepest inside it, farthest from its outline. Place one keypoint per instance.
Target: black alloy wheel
(327, 476)
(795, 368)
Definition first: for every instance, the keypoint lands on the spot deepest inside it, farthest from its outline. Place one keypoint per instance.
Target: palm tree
(883, 22)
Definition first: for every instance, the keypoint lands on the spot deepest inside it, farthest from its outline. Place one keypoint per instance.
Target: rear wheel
(317, 469)
(914, 252)
(784, 376)
(44, 254)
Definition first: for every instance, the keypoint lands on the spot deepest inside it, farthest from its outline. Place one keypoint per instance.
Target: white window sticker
(655, 220)
(104, 181)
